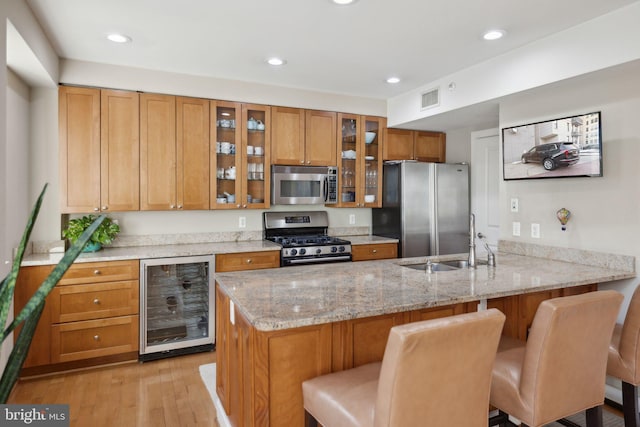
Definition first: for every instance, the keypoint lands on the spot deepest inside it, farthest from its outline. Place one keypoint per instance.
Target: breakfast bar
(279, 327)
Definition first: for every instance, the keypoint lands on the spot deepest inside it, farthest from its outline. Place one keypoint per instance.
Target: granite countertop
(176, 250)
(291, 297)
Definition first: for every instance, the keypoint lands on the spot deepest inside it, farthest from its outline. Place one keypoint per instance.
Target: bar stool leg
(309, 421)
(630, 405)
(594, 416)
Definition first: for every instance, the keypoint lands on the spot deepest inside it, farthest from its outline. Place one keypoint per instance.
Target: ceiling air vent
(430, 99)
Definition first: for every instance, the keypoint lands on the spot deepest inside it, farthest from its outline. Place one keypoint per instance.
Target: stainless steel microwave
(304, 185)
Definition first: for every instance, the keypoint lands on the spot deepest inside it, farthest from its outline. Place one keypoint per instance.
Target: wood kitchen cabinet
(174, 152)
(99, 150)
(424, 146)
(374, 251)
(242, 261)
(90, 317)
(304, 137)
(255, 176)
(359, 184)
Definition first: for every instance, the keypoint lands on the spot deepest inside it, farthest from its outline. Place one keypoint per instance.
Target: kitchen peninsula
(279, 327)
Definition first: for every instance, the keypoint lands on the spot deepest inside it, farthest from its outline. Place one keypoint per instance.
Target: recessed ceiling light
(493, 34)
(276, 61)
(119, 38)
(393, 80)
(343, 2)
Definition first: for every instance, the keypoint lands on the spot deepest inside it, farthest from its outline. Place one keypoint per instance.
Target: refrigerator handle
(435, 237)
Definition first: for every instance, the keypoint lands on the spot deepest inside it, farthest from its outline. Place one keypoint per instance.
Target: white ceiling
(339, 49)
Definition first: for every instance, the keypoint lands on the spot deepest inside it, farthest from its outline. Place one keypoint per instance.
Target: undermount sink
(443, 265)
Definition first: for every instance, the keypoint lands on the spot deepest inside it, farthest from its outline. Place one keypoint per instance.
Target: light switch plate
(535, 231)
(352, 219)
(242, 222)
(516, 228)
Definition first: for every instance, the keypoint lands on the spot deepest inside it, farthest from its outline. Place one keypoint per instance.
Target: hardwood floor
(167, 392)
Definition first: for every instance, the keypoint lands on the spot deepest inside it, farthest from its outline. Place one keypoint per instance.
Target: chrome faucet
(491, 257)
(472, 241)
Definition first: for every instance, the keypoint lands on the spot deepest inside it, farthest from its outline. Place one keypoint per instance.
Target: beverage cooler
(177, 306)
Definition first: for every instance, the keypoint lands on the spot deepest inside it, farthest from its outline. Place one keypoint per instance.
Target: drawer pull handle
(249, 261)
(375, 251)
(96, 301)
(96, 272)
(96, 337)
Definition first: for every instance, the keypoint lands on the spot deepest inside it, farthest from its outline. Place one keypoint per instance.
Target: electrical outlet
(516, 228)
(514, 205)
(242, 222)
(352, 219)
(535, 231)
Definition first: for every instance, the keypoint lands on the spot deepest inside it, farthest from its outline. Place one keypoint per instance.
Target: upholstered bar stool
(624, 360)
(435, 372)
(561, 368)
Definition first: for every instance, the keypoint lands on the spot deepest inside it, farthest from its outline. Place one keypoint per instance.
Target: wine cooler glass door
(177, 304)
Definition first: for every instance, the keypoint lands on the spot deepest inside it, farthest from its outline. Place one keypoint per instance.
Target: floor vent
(430, 99)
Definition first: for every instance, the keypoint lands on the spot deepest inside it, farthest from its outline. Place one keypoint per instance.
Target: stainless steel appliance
(425, 206)
(303, 237)
(304, 185)
(177, 306)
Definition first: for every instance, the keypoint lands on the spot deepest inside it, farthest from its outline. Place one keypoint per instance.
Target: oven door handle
(321, 259)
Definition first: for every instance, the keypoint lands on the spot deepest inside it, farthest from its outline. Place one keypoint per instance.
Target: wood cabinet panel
(374, 251)
(120, 151)
(293, 356)
(247, 261)
(437, 312)
(29, 280)
(79, 153)
(94, 301)
(96, 272)
(222, 348)
(93, 338)
(369, 337)
(509, 307)
(320, 138)
(287, 133)
(157, 152)
(430, 147)
(192, 149)
(398, 144)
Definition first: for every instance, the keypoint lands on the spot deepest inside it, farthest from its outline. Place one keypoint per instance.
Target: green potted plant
(103, 235)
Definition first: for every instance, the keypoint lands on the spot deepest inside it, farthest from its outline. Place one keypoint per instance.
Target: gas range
(303, 237)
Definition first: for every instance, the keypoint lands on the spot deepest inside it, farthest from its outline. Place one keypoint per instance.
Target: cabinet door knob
(308, 162)
(96, 301)
(238, 205)
(96, 209)
(96, 272)
(172, 206)
(179, 206)
(244, 206)
(104, 208)
(96, 337)
(302, 162)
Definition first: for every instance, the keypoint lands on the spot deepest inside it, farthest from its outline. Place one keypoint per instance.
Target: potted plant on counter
(104, 234)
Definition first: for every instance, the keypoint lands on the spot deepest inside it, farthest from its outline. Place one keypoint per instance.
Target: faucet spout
(472, 241)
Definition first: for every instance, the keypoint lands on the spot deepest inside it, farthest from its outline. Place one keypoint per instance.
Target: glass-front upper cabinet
(256, 156)
(360, 153)
(226, 124)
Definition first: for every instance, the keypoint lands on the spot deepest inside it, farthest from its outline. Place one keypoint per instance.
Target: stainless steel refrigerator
(425, 206)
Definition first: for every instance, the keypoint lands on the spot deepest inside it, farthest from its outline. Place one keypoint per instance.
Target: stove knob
(303, 251)
(293, 252)
(334, 249)
(341, 249)
(318, 251)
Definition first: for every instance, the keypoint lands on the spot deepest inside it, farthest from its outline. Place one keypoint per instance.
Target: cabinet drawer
(94, 272)
(247, 261)
(94, 301)
(375, 251)
(93, 338)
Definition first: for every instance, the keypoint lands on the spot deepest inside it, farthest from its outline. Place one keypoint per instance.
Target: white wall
(605, 210)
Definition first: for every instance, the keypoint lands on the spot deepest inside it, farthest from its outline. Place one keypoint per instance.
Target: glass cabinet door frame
(256, 182)
(371, 185)
(222, 161)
